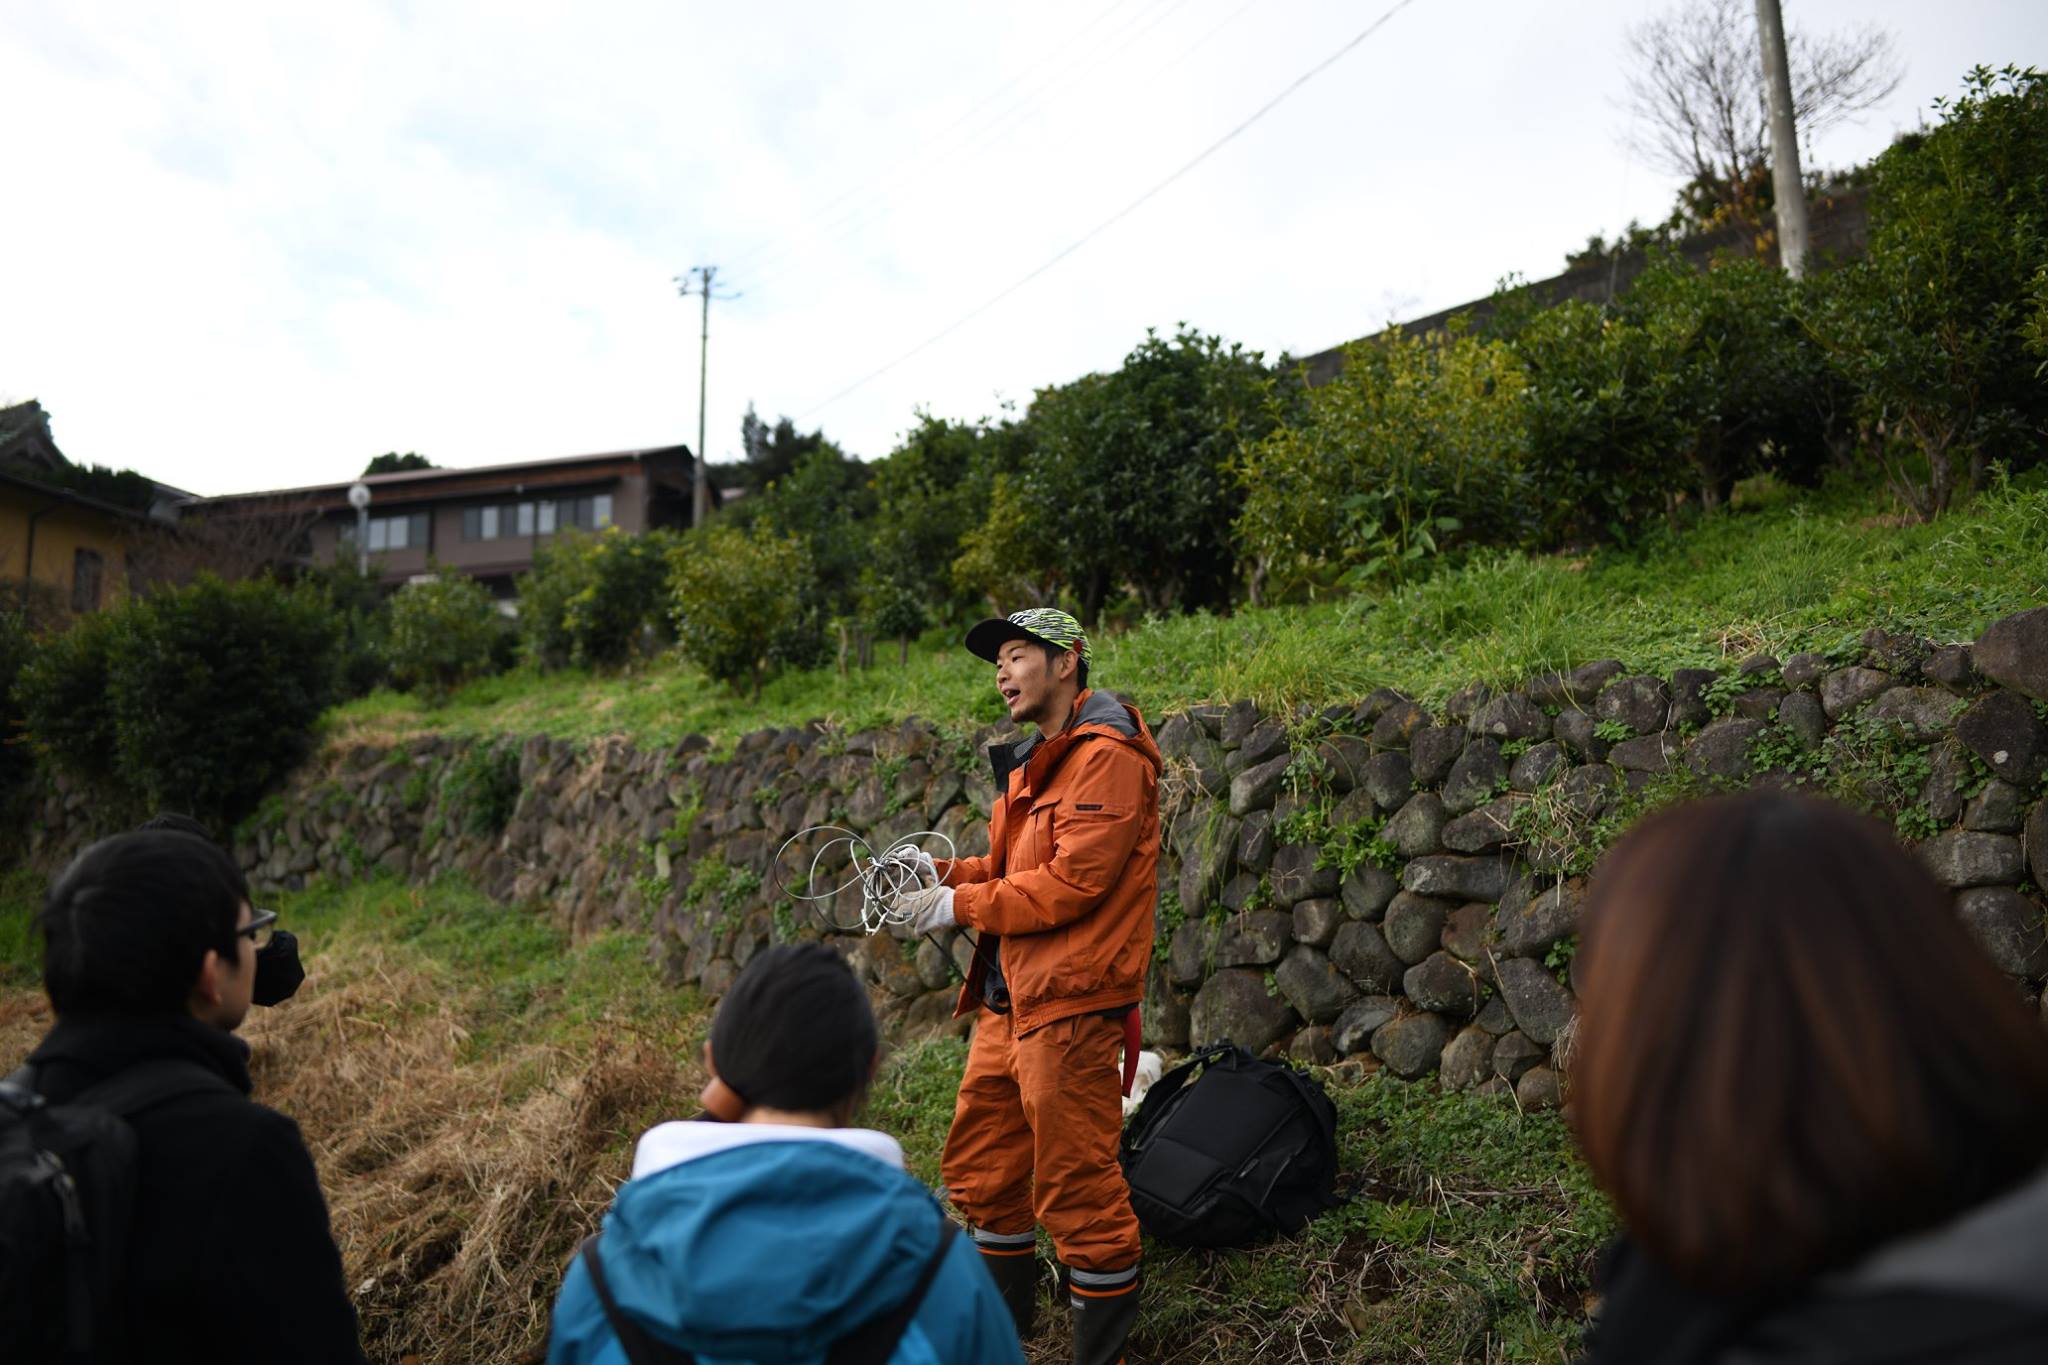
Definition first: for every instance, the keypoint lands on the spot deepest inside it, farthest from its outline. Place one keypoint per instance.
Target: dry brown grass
(458, 1188)
(459, 1179)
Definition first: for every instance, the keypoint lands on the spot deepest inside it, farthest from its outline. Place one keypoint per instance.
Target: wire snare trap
(883, 878)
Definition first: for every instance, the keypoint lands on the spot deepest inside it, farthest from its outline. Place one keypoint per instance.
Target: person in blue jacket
(780, 1234)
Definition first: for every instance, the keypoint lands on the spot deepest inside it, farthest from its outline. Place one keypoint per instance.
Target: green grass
(532, 984)
(1782, 570)
(517, 973)
(21, 952)
(1471, 1236)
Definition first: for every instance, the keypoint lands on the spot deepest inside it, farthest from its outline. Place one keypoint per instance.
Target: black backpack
(1226, 1149)
(67, 1197)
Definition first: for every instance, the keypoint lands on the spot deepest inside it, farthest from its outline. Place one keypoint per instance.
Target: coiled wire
(881, 878)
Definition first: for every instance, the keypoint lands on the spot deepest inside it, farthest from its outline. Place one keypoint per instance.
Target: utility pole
(704, 287)
(1786, 181)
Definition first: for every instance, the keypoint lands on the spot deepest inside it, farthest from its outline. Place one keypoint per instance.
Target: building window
(504, 521)
(587, 514)
(406, 531)
(86, 569)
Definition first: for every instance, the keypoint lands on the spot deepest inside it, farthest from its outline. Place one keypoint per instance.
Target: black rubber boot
(1017, 1280)
(1102, 1324)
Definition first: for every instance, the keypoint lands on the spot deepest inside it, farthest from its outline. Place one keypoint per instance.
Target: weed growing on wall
(482, 787)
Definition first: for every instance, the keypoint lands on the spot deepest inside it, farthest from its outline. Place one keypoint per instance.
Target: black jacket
(1973, 1291)
(231, 1258)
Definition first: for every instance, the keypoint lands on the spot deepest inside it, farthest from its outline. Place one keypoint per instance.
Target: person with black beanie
(770, 1230)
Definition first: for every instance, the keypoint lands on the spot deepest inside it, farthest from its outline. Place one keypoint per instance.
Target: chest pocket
(1038, 840)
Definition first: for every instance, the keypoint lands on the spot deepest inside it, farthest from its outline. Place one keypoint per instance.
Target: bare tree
(1698, 106)
(236, 541)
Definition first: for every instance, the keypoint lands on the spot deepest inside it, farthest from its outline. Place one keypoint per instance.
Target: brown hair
(1789, 1049)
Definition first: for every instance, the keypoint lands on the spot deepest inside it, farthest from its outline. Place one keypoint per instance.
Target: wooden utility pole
(700, 502)
(1786, 181)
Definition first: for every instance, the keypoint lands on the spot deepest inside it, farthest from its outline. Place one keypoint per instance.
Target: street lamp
(359, 498)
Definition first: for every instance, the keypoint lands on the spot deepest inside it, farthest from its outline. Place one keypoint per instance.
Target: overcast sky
(249, 246)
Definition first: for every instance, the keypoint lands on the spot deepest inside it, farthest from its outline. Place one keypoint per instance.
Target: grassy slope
(1784, 570)
(471, 1085)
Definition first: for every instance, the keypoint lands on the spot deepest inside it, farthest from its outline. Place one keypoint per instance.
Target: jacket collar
(1095, 712)
(1997, 1250)
(673, 1143)
(84, 1049)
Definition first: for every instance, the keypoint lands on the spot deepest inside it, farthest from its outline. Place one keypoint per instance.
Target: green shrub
(1600, 412)
(196, 699)
(443, 632)
(215, 689)
(1130, 471)
(62, 691)
(1417, 444)
(734, 597)
(1743, 388)
(17, 647)
(591, 598)
(1934, 325)
(360, 606)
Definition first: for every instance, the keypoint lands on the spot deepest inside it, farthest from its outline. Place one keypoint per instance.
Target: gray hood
(1998, 1250)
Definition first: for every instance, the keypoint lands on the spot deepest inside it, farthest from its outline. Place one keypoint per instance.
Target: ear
(206, 991)
(720, 1100)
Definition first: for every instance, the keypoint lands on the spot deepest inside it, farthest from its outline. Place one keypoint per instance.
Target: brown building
(487, 522)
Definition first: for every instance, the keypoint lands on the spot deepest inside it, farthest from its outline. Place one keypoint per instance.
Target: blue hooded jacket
(770, 1251)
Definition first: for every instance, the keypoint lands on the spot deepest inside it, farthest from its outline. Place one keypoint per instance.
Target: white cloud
(251, 246)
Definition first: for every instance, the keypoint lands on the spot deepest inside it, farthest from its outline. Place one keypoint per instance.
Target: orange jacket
(1064, 899)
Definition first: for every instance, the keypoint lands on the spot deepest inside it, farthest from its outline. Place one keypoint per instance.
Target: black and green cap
(1046, 625)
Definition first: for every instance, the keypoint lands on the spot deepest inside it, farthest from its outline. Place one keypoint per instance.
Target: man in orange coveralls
(1063, 906)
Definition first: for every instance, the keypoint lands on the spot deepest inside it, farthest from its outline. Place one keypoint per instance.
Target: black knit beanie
(796, 1031)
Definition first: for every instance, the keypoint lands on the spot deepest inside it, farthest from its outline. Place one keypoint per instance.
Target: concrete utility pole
(1786, 181)
(359, 498)
(700, 502)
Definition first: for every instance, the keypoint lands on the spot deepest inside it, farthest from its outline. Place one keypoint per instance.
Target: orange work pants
(1035, 1136)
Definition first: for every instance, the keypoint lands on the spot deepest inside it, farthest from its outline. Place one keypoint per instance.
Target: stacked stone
(595, 827)
(1439, 965)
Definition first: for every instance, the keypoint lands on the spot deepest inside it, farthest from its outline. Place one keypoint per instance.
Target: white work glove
(930, 908)
(918, 862)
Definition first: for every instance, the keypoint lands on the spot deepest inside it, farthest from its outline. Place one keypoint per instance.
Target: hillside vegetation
(1782, 569)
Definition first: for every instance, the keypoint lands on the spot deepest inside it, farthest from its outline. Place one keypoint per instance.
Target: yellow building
(77, 553)
(61, 550)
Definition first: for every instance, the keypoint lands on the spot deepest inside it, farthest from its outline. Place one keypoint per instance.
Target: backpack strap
(640, 1347)
(1166, 1087)
(873, 1343)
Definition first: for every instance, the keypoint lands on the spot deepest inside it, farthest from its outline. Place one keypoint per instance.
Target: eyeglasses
(257, 929)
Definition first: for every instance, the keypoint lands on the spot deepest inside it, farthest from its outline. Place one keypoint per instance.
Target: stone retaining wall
(1377, 883)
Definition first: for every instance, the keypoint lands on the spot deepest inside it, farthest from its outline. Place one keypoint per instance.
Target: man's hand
(930, 908)
(915, 861)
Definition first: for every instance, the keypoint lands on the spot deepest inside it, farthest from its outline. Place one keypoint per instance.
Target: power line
(779, 244)
(782, 262)
(857, 218)
(1119, 215)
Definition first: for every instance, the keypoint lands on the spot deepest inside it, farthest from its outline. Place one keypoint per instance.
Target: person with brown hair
(1820, 1111)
